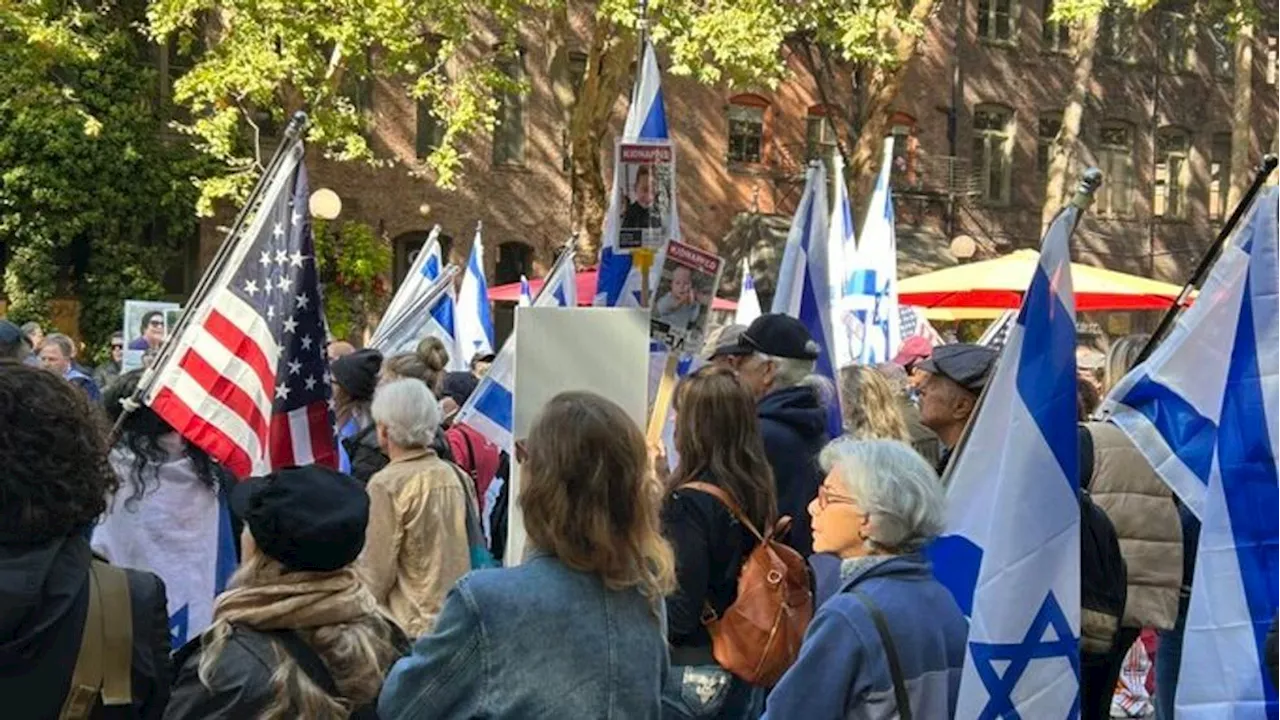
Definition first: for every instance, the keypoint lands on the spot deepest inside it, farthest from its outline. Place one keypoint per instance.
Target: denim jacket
(535, 641)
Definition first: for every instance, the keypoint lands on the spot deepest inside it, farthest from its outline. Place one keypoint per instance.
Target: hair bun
(433, 353)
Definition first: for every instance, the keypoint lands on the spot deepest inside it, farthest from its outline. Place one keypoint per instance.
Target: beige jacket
(1141, 507)
(416, 545)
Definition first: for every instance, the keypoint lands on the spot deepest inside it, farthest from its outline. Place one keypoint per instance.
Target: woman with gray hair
(416, 545)
(891, 642)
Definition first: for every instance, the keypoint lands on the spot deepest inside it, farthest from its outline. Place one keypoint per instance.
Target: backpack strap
(730, 505)
(471, 458)
(104, 664)
(891, 655)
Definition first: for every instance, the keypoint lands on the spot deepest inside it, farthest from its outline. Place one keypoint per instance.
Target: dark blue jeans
(708, 691)
(1168, 661)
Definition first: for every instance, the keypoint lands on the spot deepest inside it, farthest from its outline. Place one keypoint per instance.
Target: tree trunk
(1242, 161)
(882, 90)
(609, 59)
(1067, 149)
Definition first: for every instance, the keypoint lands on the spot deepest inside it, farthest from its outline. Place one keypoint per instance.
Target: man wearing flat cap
(948, 395)
(774, 359)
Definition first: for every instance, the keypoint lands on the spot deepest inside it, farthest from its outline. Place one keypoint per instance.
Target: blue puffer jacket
(794, 425)
(842, 671)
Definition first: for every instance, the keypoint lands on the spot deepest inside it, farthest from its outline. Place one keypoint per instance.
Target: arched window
(514, 259)
(408, 245)
(1172, 173)
(993, 151)
(747, 117)
(1115, 160)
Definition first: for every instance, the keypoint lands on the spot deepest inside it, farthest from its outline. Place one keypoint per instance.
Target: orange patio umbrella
(999, 284)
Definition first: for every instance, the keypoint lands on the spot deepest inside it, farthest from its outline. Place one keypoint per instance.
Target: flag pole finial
(296, 124)
(1090, 181)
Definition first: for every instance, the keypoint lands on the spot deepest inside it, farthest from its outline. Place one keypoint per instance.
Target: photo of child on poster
(145, 328)
(645, 175)
(682, 301)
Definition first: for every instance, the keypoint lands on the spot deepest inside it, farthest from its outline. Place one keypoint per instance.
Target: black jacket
(367, 458)
(44, 598)
(240, 684)
(794, 425)
(710, 546)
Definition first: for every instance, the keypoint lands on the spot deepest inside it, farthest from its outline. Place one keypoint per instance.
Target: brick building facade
(1158, 122)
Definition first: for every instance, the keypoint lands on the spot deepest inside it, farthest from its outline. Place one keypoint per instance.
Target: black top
(710, 546)
(793, 423)
(44, 599)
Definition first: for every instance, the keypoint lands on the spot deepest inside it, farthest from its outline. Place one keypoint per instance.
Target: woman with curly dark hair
(54, 483)
(166, 516)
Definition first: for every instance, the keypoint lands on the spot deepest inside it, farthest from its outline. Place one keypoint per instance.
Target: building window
(514, 259)
(902, 129)
(1175, 43)
(1273, 61)
(746, 129)
(430, 131)
(1056, 34)
(996, 20)
(1170, 200)
(992, 152)
(820, 138)
(1050, 126)
(508, 128)
(1116, 30)
(1115, 159)
(1224, 50)
(1219, 176)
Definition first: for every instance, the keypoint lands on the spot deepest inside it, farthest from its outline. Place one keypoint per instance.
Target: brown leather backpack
(759, 635)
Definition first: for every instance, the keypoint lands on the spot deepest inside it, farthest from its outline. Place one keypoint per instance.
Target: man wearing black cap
(775, 361)
(13, 344)
(956, 375)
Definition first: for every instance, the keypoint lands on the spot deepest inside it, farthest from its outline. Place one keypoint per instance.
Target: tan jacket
(1141, 507)
(416, 545)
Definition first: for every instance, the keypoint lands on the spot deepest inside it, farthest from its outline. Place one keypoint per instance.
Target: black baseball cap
(310, 518)
(965, 364)
(773, 334)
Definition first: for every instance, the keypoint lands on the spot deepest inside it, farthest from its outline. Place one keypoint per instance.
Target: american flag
(248, 380)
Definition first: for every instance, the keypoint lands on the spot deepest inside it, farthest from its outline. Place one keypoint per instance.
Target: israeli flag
(429, 314)
(842, 251)
(526, 297)
(748, 301)
(1203, 410)
(475, 319)
(425, 270)
(617, 285)
(869, 298)
(1011, 551)
(804, 281)
(490, 409)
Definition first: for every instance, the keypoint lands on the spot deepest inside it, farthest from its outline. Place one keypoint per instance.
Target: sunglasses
(117, 346)
(826, 497)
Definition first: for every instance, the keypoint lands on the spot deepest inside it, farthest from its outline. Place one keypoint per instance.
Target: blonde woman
(297, 635)
(871, 409)
(575, 631)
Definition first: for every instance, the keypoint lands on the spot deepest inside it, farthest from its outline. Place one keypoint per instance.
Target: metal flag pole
(566, 255)
(291, 134)
(1090, 181)
(1206, 261)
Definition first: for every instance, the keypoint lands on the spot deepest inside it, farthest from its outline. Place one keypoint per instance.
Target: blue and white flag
(526, 297)
(617, 284)
(842, 251)
(1010, 553)
(869, 299)
(1203, 410)
(490, 409)
(804, 289)
(748, 301)
(426, 268)
(429, 314)
(475, 319)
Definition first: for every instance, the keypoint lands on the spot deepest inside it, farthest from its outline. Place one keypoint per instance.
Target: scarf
(858, 566)
(298, 601)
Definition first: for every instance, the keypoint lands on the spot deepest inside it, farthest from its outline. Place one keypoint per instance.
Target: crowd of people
(375, 589)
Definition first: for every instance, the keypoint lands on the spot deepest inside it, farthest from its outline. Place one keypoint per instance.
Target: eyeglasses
(826, 497)
(156, 323)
